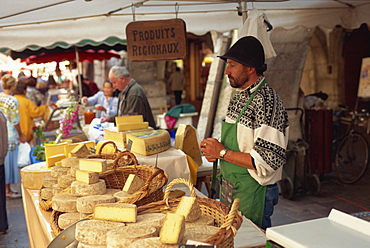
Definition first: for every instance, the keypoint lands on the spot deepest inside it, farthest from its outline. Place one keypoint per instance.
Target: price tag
(129, 145)
(227, 192)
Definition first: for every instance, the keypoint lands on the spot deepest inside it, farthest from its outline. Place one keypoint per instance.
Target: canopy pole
(78, 73)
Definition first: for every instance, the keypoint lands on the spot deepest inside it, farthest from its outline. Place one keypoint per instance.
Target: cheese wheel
(83, 189)
(121, 195)
(57, 189)
(32, 175)
(46, 193)
(203, 220)
(84, 215)
(149, 219)
(72, 171)
(67, 219)
(70, 162)
(64, 203)
(82, 245)
(200, 233)
(49, 181)
(152, 243)
(86, 204)
(57, 171)
(65, 181)
(94, 232)
(149, 142)
(122, 237)
(112, 191)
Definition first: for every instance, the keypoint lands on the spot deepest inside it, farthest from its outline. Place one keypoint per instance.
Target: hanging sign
(364, 84)
(156, 40)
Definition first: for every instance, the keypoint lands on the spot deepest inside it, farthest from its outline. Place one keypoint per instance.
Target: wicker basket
(99, 153)
(229, 220)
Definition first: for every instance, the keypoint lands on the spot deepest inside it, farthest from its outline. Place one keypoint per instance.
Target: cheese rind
(46, 193)
(70, 162)
(65, 181)
(153, 242)
(87, 177)
(149, 142)
(200, 233)
(186, 140)
(67, 219)
(49, 181)
(64, 203)
(83, 189)
(57, 171)
(149, 219)
(32, 175)
(80, 151)
(173, 228)
(121, 212)
(121, 195)
(86, 204)
(133, 184)
(95, 165)
(122, 237)
(189, 208)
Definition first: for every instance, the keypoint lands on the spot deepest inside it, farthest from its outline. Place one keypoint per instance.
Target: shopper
(3, 151)
(177, 84)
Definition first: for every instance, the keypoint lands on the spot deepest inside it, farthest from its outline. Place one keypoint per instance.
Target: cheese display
(121, 195)
(49, 181)
(129, 119)
(57, 171)
(133, 184)
(200, 233)
(152, 243)
(83, 189)
(119, 138)
(70, 162)
(80, 151)
(65, 181)
(86, 204)
(186, 140)
(32, 175)
(51, 160)
(122, 237)
(122, 212)
(94, 232)
(122, 127)
(46, 193)
(189, 208)
(149, 142)
(173, 228)
(64, 203)
(67, 219)
(149, 219)
(95, 165)
(87, 177)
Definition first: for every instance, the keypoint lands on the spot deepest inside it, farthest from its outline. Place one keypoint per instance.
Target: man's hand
(211, 148)
(84, 99)
(100, 108)
(22, 138)
(105, 119)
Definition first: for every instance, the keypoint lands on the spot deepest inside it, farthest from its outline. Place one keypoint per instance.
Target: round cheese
(72, 171)
(82, 245)
(121, 195)
(152, 243)
(67, 219)
(65, 181)
(149, 142)
(149, 219)
(86, 204)
(200, 233)
(70, 162)
(112, 191)
(32, 175)
(94, 232)
(49, 181)
(57, 189)
(64, 203)
(122, 237)
(58, 170)
(83, 189)
(46, 193)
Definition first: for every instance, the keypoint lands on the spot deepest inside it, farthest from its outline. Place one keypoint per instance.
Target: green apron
(247, 189)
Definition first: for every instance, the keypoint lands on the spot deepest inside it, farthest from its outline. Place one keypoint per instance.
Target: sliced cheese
(149, 219)
(129, 119)
(46, 193)
(64, 203)
(65, 181)
(149, 142)
(122, 127)
(67, 219)
(121, 195)
(83, 189)
(87, 177)
(94, 232)
(189, 208)
(51, 160)
(133, 184)
(95, 165)
(121, 212)
(80, 151)
(122, 237)
(173, 228)
(200, 233)
(186, 140)
(49, 181)
(86, 204)
(57, 171)
(32, 175)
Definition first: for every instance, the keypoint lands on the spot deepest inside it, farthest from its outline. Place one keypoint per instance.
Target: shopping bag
(24, 150)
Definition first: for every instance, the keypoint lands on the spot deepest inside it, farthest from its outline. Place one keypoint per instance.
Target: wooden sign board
(156, 40)
(364, 85)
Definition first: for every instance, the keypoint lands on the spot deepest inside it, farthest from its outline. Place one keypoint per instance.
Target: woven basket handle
(231, 216)
(106, 143)
(120, 155)
(158, 172)
(178, 181)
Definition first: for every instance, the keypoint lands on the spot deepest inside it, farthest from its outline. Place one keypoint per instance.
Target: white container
(186, 119)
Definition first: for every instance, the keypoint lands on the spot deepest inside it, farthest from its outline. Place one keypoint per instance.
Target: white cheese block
(83, 189)
(122, 127)
(88, 177)
(32, 175)
(80, 151)
(95, 165)
(65, 181)
(121, 212)
(203, 220)
(94, 232)
(49, 181)
(51, 160)
(57, 189)
(173, 228)
(57, 171)
(200, 233)
(64, 203)
(70, 162)
(149, 142)
(186, 140)
(46, 193)
(86, 204)
(149, 219)
(67, 219)
(129, 119)
(121, 195)
(189, 208)
(122, 237)
(152, 243)
(133, 184)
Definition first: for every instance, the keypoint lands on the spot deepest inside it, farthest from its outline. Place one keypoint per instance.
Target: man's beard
(239, 81)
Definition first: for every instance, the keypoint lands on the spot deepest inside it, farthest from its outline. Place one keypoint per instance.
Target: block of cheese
(57, 189)
(70, 162)
(121, 195)
(186, 140)
(153, 242)
(67, 219)
(46, 193)
(119, 138)
(108, 148)
(59, 163)
(173, 228)
(133, 184)
(189, 208)
(49, 181)
(203, 220)
(51, 160)
(122, 127)
(94, 232)
(54, 149)
(149, 219)
(112, 191)
(86, 204)
(95, 165)
(200, 233)
(64, 202)
(122, 237)
(88, 177)
(121, 212)
(65, 181)
(57, 171)
(149, 142)
(69, 147)
(129, 119)
(80, 151)
(32, 175)
(83, 189)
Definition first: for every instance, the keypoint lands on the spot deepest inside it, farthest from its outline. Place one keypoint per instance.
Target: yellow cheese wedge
(121, 212)
(132, 126)
(129, 119)
(51, 160)
(108, 148)
(186, 140)
(80, 151)
(68, 148)
(189, 208)
(54, 149)
(149, 142)
(87, 177)
(133, 184)
(58, 163)
(95, 165)
(173, 229)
